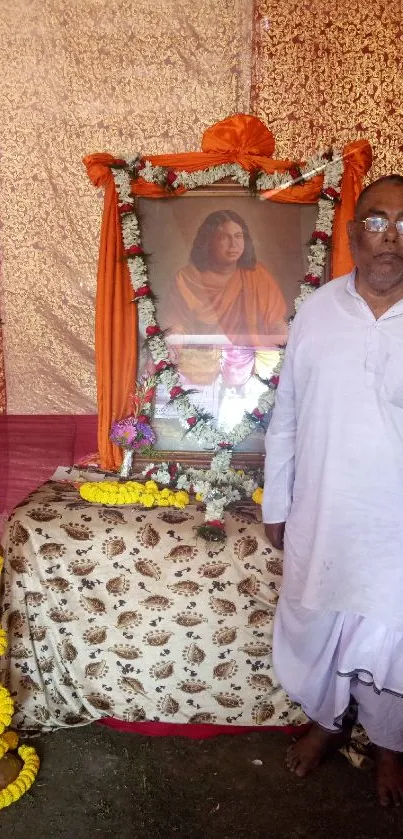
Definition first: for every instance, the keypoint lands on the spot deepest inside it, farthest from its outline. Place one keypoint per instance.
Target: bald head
(365, 195)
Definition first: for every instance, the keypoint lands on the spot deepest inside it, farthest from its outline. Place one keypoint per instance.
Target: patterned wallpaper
(327, 73)
(78, 77)
(151, 75)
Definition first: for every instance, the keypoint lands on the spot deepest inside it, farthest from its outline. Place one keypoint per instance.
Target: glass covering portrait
(225, 269)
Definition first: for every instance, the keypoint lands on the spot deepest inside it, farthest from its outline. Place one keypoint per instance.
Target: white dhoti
(322, 659)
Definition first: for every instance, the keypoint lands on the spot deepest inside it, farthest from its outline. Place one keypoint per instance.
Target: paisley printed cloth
(125, 612)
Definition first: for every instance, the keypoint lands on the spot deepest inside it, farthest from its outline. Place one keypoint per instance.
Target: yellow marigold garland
(133, 492)
(24, 780)
(9, 742)
(3, 636)
(3, 641)
(257, 496)
(6, 708)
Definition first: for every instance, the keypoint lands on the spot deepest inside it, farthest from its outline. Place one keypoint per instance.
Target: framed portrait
(225, 268)
(216, 249)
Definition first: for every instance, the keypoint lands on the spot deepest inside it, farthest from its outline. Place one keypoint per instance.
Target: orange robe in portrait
(247, 307)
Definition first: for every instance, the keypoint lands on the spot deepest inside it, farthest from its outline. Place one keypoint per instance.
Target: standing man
(334, 494)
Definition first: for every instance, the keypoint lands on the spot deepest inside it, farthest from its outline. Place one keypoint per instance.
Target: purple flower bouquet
(131, 433)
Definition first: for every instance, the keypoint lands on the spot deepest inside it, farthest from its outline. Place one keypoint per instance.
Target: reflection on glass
(225, 281)
(224, 289)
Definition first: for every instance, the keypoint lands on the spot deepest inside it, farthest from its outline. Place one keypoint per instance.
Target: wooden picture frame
(279, 235)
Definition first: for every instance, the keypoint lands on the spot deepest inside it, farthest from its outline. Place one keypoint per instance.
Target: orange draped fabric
(357, 162)
(246, 304)
(239, 139)
(115, 318)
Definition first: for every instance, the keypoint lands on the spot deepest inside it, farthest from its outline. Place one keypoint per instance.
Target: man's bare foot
(309, 751)
(389, 777)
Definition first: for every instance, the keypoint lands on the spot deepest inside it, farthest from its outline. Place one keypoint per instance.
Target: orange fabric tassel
(357, 162)
(115, 318)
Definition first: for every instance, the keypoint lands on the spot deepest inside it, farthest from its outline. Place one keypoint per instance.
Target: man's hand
(275, 534)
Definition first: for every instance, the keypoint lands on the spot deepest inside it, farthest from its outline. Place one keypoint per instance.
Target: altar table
(126, 613)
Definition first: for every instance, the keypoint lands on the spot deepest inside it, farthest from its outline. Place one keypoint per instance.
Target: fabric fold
(115, 317)
(357, 162)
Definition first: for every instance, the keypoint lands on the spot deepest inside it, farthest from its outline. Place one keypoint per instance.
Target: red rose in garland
(321, 235)
(134, 250)
(176, 391)
(170, 177)
(163, 365)
(126, 208)
(312, 279)
(143, 291)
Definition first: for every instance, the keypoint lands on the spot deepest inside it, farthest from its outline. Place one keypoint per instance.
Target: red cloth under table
(194, 732)
(33, 446)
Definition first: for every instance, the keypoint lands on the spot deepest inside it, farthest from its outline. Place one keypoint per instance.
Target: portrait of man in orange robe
(224, 290)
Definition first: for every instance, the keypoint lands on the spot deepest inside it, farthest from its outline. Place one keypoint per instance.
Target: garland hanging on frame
(194, 420)
(216, 485)
(240, 139)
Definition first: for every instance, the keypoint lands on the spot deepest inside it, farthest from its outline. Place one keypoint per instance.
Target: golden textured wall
(331, 72)
(78, 77)
(151, 75)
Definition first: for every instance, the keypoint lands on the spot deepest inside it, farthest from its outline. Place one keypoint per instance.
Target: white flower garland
(215, 488)
(206, 433)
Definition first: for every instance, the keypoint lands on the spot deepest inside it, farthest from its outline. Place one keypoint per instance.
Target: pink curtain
(32, 447)
(3, 394)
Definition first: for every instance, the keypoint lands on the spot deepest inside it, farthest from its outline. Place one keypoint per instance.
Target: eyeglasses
(378, 224)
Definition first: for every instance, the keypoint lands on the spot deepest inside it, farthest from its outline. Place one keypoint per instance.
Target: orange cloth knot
(358, 157)
(241, 137)
(98, 168)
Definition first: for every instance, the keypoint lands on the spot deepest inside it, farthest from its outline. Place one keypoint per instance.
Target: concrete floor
(99, 782)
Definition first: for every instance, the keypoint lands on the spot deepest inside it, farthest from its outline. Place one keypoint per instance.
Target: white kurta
(334, 473)
(334, 457)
